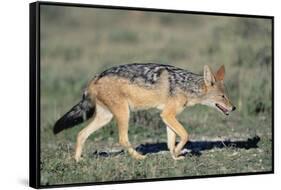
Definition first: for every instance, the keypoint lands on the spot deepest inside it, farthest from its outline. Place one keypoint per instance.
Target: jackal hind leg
(174, 128)
(101, 118)
(121, 114)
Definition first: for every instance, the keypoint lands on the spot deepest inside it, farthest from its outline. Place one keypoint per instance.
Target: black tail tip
(58, 128)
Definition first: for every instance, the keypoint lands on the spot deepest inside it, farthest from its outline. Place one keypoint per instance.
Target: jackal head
(215, 95)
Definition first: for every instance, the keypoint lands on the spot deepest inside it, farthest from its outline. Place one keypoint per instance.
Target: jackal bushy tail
(79, 113)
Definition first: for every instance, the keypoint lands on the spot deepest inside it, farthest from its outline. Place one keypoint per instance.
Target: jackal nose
(233, 108)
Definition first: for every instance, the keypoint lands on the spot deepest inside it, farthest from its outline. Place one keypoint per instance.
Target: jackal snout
(224, 105)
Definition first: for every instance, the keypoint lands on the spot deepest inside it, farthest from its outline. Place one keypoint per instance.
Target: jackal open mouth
(224, 110)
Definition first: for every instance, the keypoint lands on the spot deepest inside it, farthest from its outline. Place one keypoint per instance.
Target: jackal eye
(222, 96)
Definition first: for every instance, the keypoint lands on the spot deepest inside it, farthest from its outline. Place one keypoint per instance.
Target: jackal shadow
(192, 147)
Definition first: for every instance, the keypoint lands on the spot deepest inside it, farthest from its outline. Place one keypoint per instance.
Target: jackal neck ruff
(148, 74)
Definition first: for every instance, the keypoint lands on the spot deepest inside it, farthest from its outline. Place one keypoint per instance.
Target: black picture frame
(34, 98)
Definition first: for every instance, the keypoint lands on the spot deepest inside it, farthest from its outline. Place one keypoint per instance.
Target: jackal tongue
(222, 108)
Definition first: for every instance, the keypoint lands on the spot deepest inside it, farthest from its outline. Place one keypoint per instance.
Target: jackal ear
(209, 77)
(220, 73)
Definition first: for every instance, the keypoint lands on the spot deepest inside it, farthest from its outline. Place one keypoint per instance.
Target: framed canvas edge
(152, 9)
(34, 93)
(272, 86)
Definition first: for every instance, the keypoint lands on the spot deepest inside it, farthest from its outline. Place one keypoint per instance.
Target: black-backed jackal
(121, 89)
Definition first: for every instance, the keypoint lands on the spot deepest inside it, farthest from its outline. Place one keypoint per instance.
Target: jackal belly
(140, 98)
(111, 90)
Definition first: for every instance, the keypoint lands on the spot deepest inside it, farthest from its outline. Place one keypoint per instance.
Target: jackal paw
(77, 158)
(140, 157)
(178, 157)
(135, 154)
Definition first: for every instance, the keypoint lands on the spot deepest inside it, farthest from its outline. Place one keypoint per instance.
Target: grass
(77, 43)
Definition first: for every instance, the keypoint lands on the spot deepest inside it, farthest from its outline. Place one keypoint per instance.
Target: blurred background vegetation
(78, 43)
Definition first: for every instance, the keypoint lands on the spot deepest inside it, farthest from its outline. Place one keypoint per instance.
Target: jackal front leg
(171, 139)
(175, 127)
